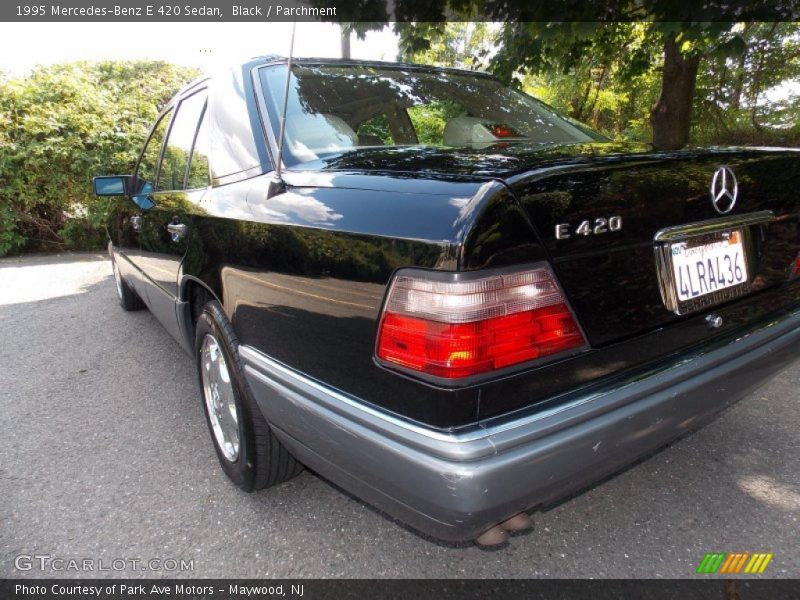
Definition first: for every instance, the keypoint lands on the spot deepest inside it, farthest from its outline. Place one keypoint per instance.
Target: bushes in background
(60, 126)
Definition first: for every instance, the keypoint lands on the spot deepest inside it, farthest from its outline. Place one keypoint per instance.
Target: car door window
(174, 164)
(148, 162)
(199, 172)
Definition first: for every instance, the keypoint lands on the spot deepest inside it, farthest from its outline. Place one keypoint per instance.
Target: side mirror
(112, 185)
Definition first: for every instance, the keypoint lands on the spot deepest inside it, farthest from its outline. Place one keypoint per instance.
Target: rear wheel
(247, 449)
(128, 299)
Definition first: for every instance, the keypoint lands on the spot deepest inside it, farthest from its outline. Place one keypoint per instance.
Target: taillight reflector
(459, 328)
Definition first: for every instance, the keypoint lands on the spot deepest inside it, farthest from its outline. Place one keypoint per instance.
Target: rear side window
(174, 164)
(238, 149)
(146, 173)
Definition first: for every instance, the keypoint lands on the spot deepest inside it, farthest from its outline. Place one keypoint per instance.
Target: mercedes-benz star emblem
(724, 189)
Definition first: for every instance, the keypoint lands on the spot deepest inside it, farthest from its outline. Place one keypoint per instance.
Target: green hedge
(60, 126)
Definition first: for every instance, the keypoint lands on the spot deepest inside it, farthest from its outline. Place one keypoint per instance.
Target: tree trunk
(600, 81)
(671, 116)
(755, 91)
(345, 42)
(736, 99)
(577, 112)
(738, 87)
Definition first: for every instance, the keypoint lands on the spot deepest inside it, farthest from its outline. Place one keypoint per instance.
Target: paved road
(104, 454)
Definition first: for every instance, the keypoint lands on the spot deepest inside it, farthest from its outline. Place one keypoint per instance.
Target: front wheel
(247, 449)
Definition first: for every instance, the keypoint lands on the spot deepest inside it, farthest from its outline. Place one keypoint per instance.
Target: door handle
(177, 230)
(136, 222)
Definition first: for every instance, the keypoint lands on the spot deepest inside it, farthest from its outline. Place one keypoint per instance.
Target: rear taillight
(458, 325)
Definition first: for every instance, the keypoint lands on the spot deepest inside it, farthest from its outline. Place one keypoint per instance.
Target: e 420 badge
(596, 226)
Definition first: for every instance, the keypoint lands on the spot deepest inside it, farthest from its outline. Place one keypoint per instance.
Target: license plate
(700, 269)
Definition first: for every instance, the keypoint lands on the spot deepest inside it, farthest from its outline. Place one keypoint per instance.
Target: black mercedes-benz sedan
(442, 295)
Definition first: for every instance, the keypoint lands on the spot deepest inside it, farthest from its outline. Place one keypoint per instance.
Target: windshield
(338, 108)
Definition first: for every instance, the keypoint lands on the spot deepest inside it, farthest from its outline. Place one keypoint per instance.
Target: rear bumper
(454, 485)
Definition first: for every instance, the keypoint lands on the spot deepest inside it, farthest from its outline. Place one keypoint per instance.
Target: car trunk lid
(598, 215)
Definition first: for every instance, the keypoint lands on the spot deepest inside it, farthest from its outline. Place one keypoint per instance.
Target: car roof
(269, 59)
(275, 59)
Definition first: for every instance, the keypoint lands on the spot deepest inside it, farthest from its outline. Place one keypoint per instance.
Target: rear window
(338, 108)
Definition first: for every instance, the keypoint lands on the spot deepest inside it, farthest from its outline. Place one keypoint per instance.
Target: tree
(464, 45)
(612, 75)
(548, 36)
(734, 103)
(60, 126)
(345, 38)
(536, 47)
(672, 114)
(685, 46)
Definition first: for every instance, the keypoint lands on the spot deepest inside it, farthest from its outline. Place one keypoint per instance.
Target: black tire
(128, 299)
(262, 460)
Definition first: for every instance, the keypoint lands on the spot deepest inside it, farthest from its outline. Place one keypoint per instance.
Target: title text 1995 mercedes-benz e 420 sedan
(442, 295)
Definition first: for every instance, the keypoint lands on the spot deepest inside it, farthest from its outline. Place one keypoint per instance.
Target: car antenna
(277, 184)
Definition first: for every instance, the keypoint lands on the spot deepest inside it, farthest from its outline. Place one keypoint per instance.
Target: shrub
(60, 126)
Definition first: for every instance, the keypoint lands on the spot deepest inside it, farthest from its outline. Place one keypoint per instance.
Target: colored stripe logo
(734, 562)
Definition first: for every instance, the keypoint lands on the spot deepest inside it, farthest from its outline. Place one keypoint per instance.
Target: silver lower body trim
(454, 485)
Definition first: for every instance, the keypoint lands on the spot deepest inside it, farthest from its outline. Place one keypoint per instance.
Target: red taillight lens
(458, 328)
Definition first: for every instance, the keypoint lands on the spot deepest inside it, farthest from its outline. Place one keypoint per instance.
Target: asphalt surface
(104, 454)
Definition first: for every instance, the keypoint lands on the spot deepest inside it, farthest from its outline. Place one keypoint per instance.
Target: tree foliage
(60, 126)
(610, 74)
(745, 98)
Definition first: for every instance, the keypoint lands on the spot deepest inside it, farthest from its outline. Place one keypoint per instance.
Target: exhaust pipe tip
(492, 538)
(517, 523)
(497, 536)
